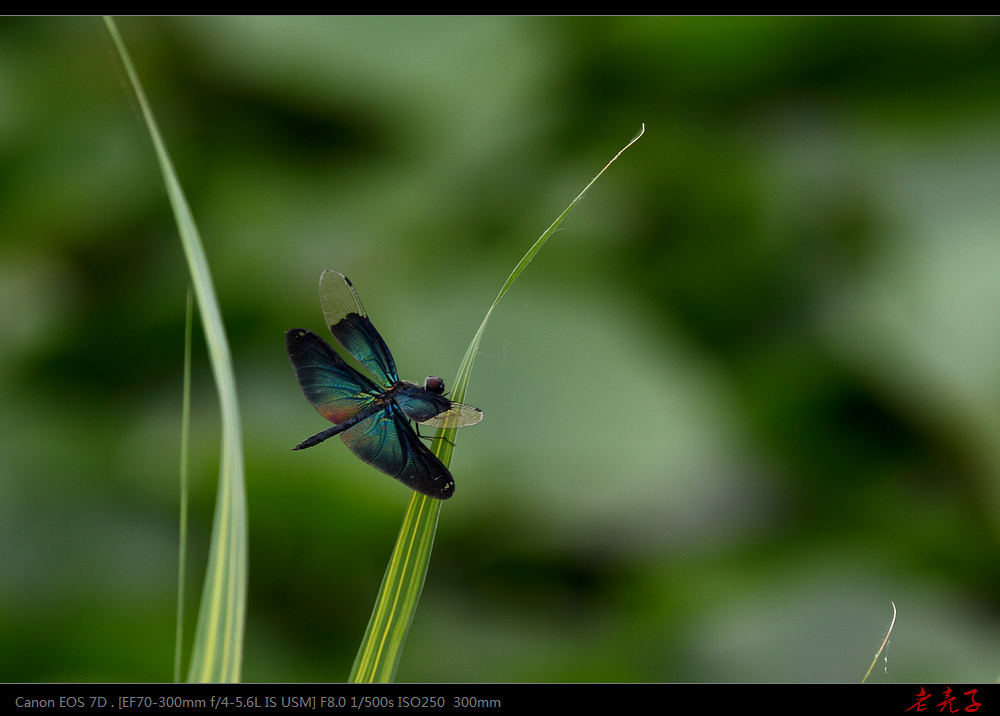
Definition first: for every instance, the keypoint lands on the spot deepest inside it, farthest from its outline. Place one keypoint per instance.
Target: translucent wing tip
(458, 415)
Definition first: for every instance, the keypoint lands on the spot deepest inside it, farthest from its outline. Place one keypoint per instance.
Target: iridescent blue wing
(387, 442)
(435, 410)
(334, 388)
(349, 324)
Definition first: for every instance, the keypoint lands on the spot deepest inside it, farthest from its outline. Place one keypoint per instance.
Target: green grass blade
(218, 647)
(185, 431)
(881, 647)
(382, 645)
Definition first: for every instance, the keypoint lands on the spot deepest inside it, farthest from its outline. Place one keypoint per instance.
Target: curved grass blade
(882, 646)
(185, 431)
(382, 645)
(218, 647)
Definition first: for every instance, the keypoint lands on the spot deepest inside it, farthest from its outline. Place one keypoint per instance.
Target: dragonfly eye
(434, 384)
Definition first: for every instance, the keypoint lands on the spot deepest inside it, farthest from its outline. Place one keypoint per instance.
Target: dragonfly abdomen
(341, 427)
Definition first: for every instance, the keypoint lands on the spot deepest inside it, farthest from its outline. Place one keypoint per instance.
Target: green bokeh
(747, 397)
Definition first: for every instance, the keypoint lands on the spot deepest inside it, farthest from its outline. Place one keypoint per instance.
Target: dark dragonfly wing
(349, 324)
(435, 410)
(330, 385)
(387, 442)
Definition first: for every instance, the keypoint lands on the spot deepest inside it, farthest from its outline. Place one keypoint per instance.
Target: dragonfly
(372, 417)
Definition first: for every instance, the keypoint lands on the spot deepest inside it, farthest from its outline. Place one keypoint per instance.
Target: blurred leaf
(218, 646)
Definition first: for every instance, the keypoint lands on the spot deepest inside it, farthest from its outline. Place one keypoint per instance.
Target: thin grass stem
(382, 645)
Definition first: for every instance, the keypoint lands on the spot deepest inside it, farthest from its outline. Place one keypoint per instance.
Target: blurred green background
(743, 401)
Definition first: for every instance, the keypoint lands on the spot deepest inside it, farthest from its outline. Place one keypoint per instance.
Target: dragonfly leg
(429, 437)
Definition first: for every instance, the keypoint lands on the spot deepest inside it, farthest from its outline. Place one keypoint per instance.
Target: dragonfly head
(434, 384)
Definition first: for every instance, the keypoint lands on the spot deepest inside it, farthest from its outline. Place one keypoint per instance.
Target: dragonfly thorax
(433, 384)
